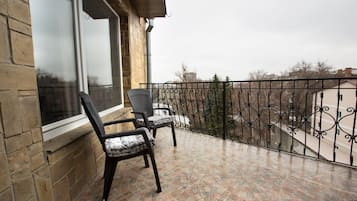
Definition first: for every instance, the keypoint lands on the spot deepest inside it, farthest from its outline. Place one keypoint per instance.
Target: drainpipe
(148, 49)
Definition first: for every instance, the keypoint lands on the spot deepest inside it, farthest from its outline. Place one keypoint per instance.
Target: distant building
(347, 72)
(190, 76)
(339, 103)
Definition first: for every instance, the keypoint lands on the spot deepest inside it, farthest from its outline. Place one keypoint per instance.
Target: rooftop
(203, 167)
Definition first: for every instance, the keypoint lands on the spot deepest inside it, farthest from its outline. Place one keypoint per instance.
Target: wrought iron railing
(309, 117)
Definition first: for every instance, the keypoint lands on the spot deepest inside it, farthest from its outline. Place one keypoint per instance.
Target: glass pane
(55, 59)
(97, 49)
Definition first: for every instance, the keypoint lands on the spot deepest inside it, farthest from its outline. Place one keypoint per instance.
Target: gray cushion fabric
(122, 146)
(156, 120)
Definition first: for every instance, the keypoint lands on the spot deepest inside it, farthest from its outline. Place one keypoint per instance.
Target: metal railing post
(300, 116)
(224, 111)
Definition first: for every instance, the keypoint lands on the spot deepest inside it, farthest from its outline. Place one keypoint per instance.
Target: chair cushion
(122, 146)
(156, 120)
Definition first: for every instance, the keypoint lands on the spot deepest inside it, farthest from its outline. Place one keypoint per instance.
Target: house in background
(347, 72)
(49, 51)
(338, 103)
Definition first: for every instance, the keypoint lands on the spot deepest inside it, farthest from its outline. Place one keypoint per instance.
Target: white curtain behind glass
(97, 50)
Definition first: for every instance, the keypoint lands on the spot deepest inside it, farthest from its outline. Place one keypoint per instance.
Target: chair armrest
(139, 131)
(171, 112)
(119, 121)
(145, 117)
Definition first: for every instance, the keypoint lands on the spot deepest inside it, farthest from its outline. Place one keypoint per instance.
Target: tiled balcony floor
(202, 167)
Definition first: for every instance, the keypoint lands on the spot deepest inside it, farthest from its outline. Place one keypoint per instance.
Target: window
(74, 52)
(103, 77)
(55, 57)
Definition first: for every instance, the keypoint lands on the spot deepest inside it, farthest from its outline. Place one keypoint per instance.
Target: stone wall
(125, 55)
(24, 171)
(137, 41)
(74, 164)
(31, 169)
(133, 42)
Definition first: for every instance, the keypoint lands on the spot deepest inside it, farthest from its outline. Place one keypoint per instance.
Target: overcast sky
(235, 37)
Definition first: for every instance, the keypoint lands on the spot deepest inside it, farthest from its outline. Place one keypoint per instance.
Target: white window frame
(58, 128)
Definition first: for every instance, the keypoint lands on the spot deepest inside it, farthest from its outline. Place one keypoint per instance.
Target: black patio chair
(120, 146)
(143, 109)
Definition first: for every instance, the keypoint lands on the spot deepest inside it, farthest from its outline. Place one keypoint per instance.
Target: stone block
(97, 148)
(24, 189)
(18, 142)
(71, 178)
(36, 148)
(3, 7)
(4, 41)
(17, 77)
(27, 93)
(36, 135)
(10, 112)
(61, 190)
(19, 10)
(61, 168)
(78, 187)
(4, 172)
(37, 160)
(6, 195)
(43, 189)
(100, 161)
(85, 165)
(1, 130)
(43, 172)
(21, 173)
(20, 27)
(19, 161)
(126, 73)
(126, 81)
(2, 147)
(66, 151)
(30, 112)
(22, 49)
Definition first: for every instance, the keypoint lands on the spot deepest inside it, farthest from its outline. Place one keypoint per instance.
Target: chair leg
(110, 167)
(153, 163)
(173, 133)
(146, 161)
(154, 133)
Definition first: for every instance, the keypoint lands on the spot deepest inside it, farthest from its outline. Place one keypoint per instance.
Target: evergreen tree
(214, 107)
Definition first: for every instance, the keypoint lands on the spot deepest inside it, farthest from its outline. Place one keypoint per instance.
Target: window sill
(58, 142)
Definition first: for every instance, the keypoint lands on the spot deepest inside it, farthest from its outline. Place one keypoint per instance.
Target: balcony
(204, 167)
(308, 117)
(249, 140)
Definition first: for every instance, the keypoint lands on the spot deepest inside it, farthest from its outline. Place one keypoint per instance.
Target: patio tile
(203, 167)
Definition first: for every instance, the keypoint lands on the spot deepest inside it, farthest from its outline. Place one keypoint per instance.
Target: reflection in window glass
(103, 89)
(55, 59)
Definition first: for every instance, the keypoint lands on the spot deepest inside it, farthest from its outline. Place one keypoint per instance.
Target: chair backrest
(93, 115)
(141, 101)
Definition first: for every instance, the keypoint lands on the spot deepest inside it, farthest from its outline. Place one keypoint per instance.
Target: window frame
(61, 127)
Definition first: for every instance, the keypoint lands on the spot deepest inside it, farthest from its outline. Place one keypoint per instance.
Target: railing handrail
(263, 80)
(217, 107)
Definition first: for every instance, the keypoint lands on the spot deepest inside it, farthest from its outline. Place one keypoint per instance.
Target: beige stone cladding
(31, 169)
(74, 164)
(23, 164)
(133, 47)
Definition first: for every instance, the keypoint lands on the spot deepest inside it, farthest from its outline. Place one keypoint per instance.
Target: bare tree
(180, 74)
(261, 75)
